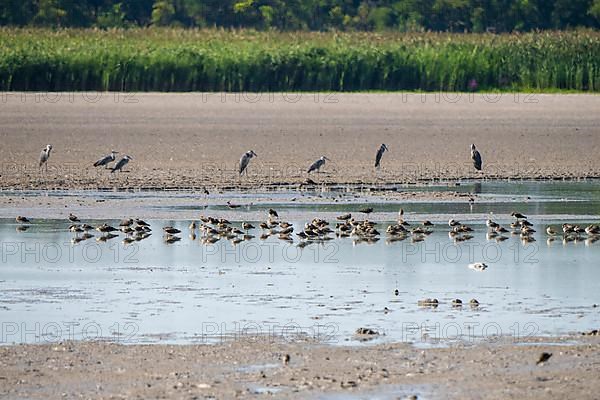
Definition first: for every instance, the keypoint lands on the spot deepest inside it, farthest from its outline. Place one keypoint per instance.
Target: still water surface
(188, 291)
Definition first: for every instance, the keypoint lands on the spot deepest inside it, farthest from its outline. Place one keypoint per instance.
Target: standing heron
(316, 166)
(476, 157)
(379, 155)
(104, 161)
(122, 162)
(44, 156)
(245, 160)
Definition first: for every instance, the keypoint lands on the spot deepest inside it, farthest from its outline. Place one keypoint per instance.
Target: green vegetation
(319, 15)
(245, 60)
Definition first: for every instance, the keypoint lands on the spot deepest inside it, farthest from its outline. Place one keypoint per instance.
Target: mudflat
(247, 367)
(195, 140)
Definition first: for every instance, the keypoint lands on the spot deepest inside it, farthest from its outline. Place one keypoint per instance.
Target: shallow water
(186, 292)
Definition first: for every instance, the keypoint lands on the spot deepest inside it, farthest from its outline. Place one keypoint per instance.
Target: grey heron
(245, 160)
(44, 156)
(316, 166)
(122, 162)
(104, 161)
(379, 155)
(476, 157)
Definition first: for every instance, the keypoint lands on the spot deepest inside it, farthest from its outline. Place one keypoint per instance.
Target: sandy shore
(196, 140)
(250, 366)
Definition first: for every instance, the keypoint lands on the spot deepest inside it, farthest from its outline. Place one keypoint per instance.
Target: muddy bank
(195, 140)
(249, 366)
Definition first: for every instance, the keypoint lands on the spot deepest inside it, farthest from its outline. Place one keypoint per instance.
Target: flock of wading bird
(244, 160)
(102, 162)
(210, 230)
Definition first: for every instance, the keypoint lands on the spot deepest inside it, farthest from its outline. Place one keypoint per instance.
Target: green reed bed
(217, 60)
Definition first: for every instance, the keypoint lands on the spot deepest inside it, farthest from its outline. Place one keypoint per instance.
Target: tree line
(317, 15)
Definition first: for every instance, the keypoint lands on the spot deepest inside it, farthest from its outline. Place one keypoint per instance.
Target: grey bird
(476, 157)
(379, 155)
(316, 166)
(106, 159)
(44, 156)
(245, 160)
(122, 162)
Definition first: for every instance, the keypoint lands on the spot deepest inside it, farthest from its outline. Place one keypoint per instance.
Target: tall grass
(217, 60)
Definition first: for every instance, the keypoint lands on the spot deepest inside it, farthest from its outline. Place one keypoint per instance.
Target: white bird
(106, 159)
(478, 266)
(245, 160)
(476, 157)
(316, 166)
(122, 162)
(379, 155)
(44, 156)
